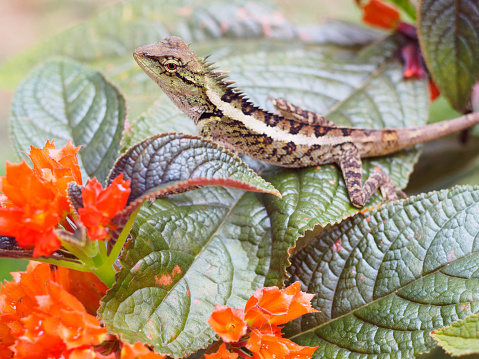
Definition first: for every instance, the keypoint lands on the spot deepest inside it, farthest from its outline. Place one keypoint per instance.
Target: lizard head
(180, 73)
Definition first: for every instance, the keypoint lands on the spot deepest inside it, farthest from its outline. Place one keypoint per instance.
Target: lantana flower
(138, 351)
(34, 201)
(101, 205)
(257, 330)
(222, 353)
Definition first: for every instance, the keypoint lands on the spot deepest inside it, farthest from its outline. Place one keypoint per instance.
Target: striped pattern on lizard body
(297, 138)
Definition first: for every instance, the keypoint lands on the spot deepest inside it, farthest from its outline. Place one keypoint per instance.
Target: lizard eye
(171, 66)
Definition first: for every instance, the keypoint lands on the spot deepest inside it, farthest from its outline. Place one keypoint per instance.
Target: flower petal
(228, 323)
(138, 351)
(222, 353)
(101, 205)
(377, 13)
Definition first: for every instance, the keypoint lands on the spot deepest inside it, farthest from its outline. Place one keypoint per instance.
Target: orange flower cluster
(41, 318)
(33, 202)
(101, 205)
(256, 328)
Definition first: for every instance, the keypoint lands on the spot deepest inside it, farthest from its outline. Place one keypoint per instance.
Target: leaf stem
(115, 252)
(67, 264)
(106, 272)
(79, 253)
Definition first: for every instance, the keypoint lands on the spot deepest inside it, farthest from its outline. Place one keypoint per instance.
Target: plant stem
(106, 272)
(67, 264)
(115, 252)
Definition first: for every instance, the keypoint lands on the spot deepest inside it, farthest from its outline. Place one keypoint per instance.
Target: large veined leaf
(163, 116)
(385, 279)
(171, 157)
(188, 253)
(459, 338)
(449, 37)
(62, 100)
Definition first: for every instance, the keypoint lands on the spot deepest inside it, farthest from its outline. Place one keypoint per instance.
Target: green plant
(384, 277)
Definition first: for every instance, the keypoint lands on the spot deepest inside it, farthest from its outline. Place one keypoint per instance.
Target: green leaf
(459, 338)
(107, 41)
(172, 163)
(406, 6)
(163, 116)
(188, 253)
(171, 157)
(385, 279)
(63, 100)
(449, 37)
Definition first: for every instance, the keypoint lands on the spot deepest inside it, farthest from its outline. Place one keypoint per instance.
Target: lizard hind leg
(351, 167)
(292, 112)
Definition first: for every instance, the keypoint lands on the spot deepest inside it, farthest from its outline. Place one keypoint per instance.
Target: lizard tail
(412, 136)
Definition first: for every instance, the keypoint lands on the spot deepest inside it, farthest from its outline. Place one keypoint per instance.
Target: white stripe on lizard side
(275, 133)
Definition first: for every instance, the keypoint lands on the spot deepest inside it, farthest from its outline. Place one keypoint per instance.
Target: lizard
(294, 138)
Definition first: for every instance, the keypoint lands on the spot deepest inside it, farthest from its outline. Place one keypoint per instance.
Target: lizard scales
(296, 138)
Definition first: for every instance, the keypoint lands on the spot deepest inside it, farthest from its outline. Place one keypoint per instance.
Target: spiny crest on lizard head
(185, 77)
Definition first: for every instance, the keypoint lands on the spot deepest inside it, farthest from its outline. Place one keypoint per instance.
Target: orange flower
(38, 315)
(228, 323)
(86, 287)
(138, 351)
(30, 211)
(266, 346)
(302, 353)
(269, 346)
(222, 353)
(101, 205)
(59, 166)
(379, 14)
(274, 306)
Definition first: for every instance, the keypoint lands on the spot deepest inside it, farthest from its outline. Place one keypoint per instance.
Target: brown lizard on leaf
(296, 138)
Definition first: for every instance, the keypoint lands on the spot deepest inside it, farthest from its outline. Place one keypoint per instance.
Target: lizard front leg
(293, 112)
(350, 163)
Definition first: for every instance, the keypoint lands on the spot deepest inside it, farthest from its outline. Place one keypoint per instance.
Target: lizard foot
(390, 191)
